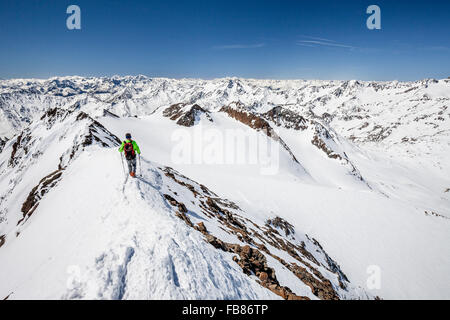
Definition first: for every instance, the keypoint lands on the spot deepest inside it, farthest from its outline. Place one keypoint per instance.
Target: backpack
(129, 150)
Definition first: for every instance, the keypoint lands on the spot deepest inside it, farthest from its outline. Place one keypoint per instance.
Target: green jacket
(135, 146)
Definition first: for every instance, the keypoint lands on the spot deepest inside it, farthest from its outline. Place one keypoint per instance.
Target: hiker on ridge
(130, 148)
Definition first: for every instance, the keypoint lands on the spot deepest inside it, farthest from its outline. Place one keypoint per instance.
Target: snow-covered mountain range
(359, 181)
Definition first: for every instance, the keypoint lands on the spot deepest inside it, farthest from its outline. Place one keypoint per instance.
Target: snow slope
(358, 225)
(120, 243)
(359, 166)
(85, 232)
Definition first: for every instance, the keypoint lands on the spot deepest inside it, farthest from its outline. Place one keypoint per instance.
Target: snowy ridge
(39, 155)
(362, 168)
(271, 250)
(133, 243)
(364, 111)
(321, 135)
(406, 119)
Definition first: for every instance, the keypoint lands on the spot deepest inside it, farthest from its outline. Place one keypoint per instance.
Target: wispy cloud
(239, 46)
(437, 48)
(322, 42)
(317, 38)
(306, 45)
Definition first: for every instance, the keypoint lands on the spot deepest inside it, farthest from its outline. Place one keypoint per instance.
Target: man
(130, 148)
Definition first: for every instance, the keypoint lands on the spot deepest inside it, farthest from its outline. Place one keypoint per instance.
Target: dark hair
(128, 135)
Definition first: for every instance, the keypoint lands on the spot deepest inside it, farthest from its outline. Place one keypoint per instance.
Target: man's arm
(122, 146)
(136, 147)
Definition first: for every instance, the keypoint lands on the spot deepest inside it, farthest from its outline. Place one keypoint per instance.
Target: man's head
(128, 136)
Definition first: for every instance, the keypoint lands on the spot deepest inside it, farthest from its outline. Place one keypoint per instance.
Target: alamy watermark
(211, 146)
(74, 20)
(374, 20)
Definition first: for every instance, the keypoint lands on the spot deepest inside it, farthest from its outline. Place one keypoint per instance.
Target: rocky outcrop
(20, 148)
(282, 224)
(97, 133)
(324, 141)
(107, 113)
(257, 242)
(285, 118)
(51, 116)
(434, 214)
(282, 117)
(239, 112)
(2, 143)
(94, 133)
(2, 240)
(174, 111)
(186, 115)
(37, 193)
(28, 145)
(322, 137)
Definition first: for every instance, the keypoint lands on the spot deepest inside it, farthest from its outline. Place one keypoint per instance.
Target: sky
(277, 39)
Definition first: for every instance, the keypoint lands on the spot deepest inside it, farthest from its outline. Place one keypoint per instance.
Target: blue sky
(277, 39)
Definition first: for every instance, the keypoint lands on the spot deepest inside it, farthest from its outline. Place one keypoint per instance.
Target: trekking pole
(121, 161)
(140, 167)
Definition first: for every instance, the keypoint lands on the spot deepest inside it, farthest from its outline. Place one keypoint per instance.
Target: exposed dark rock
(321, 288)
(326, 117)
(2, 143)
(96, 133)
(185, 218)
(286, 118)
(19, 148)
(185, 118)
(7, 297)
(37, 193)
(278, 222)
(321, 135)
(291, 120)
(241, 114)
(14, 150)
(263, 276)
(320, 138)
(251, 257)
(169, 172)
(432, 213)
(253, 262)
(319, 143)
(238, 112)
(182, 210)
(170, 199)
(189, 118)
(201, 227)
(107, 113)
(54, 114)
(2, 240)
(379, 133)
(174, 111)
(82, 115)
